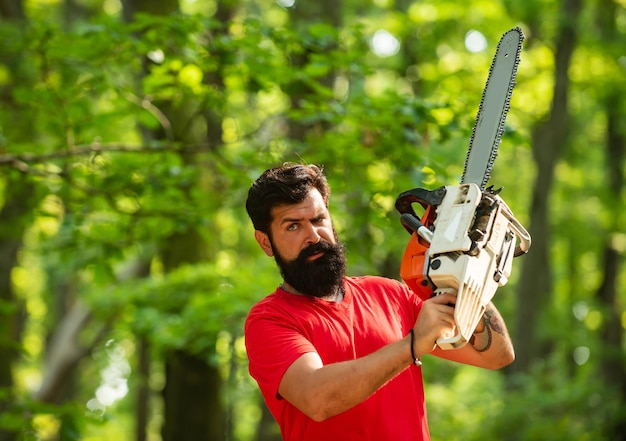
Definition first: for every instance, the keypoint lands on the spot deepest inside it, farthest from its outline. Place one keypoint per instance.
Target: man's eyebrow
(300, 219)
(290, 219)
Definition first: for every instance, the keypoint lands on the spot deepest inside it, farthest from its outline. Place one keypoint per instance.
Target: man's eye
(292, 227)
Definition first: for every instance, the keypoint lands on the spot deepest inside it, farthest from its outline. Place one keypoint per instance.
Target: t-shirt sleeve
(413, 299)
(272, 345)
(409, 304)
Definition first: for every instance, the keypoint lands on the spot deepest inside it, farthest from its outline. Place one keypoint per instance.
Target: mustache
(321, 246)
(315, 278)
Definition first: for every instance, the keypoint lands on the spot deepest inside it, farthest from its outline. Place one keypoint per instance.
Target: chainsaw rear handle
(520, 231)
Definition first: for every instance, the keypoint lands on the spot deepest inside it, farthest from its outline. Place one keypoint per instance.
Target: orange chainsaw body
(412, 267)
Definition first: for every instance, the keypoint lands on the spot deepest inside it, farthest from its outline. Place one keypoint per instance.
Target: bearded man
(338, 357)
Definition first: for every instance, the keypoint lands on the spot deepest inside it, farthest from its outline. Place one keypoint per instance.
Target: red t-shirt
(375, 311)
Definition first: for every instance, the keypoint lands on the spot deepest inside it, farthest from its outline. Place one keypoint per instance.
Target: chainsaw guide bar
(493, 109)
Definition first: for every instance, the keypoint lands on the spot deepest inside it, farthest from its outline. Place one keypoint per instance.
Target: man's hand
(436, 319)
(491, 346)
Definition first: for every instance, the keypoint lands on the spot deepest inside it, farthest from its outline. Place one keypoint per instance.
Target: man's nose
(313, 235)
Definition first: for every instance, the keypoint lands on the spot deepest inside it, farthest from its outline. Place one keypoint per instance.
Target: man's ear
(264, 241)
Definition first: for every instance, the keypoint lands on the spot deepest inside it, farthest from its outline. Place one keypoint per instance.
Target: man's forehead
(313, 205)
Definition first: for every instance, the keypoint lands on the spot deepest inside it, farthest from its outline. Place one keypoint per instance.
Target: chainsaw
(466, 238)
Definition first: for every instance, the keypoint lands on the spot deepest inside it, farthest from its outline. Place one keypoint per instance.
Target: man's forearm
(490, 347)
(491, 334)
(329, 390)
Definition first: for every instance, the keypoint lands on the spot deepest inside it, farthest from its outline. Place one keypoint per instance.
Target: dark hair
(284, 185)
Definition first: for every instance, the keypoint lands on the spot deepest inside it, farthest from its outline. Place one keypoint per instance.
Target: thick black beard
(320, 277)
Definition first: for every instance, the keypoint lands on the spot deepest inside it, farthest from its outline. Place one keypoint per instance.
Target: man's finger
(444, 299)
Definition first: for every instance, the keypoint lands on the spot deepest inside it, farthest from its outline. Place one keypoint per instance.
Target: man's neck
(336, 296)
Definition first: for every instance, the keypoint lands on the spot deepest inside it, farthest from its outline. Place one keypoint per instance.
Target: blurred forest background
(131, 130)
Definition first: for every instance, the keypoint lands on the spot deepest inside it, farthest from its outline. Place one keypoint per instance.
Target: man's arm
(321, 391)
(490, 347)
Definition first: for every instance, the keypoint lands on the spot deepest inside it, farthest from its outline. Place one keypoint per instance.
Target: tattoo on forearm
(482, 340)
(494, 321)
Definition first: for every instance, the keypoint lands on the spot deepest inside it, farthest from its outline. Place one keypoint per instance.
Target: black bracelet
(416, 360)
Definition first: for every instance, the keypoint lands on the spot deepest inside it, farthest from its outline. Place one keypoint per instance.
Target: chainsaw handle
(519, 230)
(524, 238)
(426, 198)
(412, 224)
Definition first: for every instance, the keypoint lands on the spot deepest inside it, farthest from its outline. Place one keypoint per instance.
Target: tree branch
(23, 160)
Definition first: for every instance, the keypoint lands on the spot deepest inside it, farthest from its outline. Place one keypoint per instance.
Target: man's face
(305, 246)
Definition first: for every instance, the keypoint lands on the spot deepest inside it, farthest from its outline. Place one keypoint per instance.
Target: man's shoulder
(272, 308)
(268, 301)
(374, 281)
(377, 287)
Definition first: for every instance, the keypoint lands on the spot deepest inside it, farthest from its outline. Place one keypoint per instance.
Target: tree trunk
(193, 408)
(613, 367)
(304, 14)
(548, 142)
(192, 401)
(19, 200)
(142, 405)
(612, 358)
(65, 350)
(268, 428)
(19, 203)
(12, 10)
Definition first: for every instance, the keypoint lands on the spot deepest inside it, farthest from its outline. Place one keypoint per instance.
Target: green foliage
(108, 120)
(560, 407)
(546, 403)
(186, 308)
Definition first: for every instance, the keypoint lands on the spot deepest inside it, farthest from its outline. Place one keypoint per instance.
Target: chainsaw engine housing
(469, 251)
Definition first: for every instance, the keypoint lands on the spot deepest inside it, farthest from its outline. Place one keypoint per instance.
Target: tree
(613, 362)
(19, 197)
(127, 147)
(549, 140)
